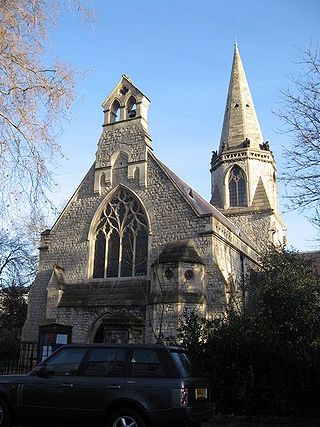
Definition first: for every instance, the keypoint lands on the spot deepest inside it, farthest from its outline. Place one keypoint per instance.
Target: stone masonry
(129, 204)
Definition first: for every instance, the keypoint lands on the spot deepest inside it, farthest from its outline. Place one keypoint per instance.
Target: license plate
(201, 393)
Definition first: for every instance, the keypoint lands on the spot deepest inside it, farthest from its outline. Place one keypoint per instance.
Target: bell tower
(243, 170)
(125, 140)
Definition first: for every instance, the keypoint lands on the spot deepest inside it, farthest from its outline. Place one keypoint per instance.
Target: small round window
(188, 274)
(168, 274)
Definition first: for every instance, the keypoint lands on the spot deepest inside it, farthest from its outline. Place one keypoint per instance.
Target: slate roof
(182, 251)
(128, 80)
(106, 292)
(201, 206)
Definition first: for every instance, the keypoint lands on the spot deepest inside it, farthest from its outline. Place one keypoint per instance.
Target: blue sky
(179, 53)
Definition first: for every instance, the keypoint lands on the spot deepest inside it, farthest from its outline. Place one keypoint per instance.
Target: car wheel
(125, 418)
(5, 416)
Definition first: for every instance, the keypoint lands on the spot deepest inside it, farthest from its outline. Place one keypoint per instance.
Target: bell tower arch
(125, 130)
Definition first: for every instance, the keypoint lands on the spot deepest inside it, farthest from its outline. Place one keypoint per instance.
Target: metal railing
(21, 363)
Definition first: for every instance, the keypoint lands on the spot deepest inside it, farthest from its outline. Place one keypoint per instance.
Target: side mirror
(42, 372)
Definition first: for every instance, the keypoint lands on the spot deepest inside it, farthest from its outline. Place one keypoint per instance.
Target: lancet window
(237, 187)
(115, 112)
(131, 107)
(121, 238)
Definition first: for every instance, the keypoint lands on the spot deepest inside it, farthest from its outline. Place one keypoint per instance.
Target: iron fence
(21, 363)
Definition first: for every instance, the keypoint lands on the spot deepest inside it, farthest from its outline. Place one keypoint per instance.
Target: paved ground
(264, 422)
(245, 422)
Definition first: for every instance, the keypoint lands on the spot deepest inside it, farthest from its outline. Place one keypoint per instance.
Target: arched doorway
(110, 334)
(118, 328)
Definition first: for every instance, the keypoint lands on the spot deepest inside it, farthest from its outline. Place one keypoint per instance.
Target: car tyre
(126, 417)
(5, 415)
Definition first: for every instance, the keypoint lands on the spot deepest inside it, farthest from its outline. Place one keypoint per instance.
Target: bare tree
(301, 114)
(18, 263)
(18, 267)
(35, 97)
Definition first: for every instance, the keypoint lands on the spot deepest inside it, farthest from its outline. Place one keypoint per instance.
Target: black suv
(108, 385)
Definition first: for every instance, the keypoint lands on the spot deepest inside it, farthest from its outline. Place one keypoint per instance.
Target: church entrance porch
(118, 328)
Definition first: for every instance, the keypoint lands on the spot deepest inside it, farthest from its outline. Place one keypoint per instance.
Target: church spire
(243, 172)
(240, 120)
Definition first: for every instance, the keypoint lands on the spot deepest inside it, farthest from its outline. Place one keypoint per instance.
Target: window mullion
(134, 254)
(120, 255)
(106, 255)
(237, 194)
(121, 216)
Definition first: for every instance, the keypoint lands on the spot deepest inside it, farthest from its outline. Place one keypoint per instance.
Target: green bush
(264, 359)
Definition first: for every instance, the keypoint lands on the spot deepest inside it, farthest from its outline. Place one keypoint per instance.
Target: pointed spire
(240, 120)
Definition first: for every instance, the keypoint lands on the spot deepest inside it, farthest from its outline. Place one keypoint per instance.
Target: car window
(146, 363)
(186, 367)
(107, 362)
(66, 362)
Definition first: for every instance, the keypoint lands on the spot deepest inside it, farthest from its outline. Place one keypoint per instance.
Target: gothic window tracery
(121, 238)
(237, 187)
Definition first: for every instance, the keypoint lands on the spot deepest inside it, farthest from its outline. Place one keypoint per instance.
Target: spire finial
(235, 40)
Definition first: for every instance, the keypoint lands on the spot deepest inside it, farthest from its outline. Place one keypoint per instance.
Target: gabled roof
(124, 79)
(240, 119)
(197, 202)
(181, 250)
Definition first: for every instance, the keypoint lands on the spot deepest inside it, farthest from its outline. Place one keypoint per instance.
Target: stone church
(136, 246)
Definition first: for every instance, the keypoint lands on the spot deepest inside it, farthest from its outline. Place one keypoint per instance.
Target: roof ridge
(213, 211)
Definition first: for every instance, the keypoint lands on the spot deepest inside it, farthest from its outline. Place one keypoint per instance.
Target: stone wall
(171, 218)
(36, 307)
(256, 165)
(258, 226)
(260, 220)
(85, 320)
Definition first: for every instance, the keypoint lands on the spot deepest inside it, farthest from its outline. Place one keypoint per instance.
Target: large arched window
(237, 187)
(121, 238)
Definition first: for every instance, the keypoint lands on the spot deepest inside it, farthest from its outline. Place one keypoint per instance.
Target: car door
(148, 382)
(51, 394)
(100, 382)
